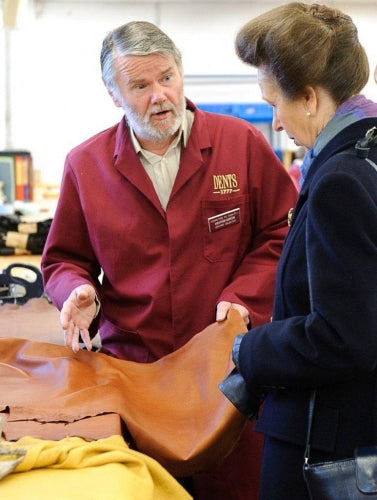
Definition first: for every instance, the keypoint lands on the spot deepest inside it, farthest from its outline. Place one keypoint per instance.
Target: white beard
(144, 129)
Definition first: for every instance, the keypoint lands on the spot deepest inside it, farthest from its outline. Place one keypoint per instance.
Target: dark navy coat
(334, 347)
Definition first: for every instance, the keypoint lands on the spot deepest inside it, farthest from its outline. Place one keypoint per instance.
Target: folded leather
(172, 408)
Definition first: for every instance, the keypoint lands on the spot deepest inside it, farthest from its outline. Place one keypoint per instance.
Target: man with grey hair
(165, 221)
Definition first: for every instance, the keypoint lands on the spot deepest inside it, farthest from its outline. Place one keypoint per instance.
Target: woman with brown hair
(312, 69)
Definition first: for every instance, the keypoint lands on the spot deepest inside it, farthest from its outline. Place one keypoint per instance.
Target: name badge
(223, 220)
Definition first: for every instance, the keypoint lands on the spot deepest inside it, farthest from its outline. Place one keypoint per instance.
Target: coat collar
(346, 139)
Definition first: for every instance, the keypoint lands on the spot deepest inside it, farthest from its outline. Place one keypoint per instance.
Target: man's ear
(114, 97)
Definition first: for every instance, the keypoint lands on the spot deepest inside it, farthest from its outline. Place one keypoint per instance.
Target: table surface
(6, 260)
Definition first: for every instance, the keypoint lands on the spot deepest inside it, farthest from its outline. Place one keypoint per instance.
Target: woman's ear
(311, 100)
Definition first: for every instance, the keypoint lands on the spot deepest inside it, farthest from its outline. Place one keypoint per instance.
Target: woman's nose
(276, 125)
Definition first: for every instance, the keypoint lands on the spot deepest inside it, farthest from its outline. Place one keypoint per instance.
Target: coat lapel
(127, 162)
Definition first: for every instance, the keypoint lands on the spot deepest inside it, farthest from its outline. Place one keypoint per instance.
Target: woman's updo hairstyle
(302, 44)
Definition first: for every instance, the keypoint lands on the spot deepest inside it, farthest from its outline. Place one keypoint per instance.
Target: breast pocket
(226, 228)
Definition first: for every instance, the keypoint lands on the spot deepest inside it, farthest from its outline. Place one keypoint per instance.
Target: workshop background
(51, 93)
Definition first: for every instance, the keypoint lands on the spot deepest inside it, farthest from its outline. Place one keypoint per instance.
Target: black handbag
(349, 479)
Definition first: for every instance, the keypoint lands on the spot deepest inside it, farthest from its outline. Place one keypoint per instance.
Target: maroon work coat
(164, 271)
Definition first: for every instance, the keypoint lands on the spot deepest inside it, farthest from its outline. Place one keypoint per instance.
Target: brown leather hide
(172, 408)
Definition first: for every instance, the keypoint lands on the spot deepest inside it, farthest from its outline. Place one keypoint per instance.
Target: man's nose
(158, 94)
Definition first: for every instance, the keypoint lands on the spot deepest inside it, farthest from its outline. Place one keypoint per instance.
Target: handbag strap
(310, 422)
(314, 391)
(362, 149)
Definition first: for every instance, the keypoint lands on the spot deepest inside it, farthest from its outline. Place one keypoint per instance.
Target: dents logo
(225, 184)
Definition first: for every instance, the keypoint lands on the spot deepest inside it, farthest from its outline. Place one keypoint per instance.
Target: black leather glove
(246, 400)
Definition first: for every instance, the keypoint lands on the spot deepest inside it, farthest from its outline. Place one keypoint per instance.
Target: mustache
(158, 108)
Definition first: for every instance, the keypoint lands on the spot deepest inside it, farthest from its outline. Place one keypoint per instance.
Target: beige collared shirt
(162, 170)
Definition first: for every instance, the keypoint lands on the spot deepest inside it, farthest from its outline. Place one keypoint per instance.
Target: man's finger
(86, 339)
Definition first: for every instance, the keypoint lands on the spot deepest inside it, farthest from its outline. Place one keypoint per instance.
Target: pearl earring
(308, 113)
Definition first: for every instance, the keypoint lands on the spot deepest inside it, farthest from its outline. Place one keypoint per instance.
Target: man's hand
(223, 309)
(77, 313)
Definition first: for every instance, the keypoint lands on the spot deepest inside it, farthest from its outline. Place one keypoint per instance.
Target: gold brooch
(291, 213)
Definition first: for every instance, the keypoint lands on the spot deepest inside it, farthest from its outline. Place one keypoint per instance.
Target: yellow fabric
(74, 469)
